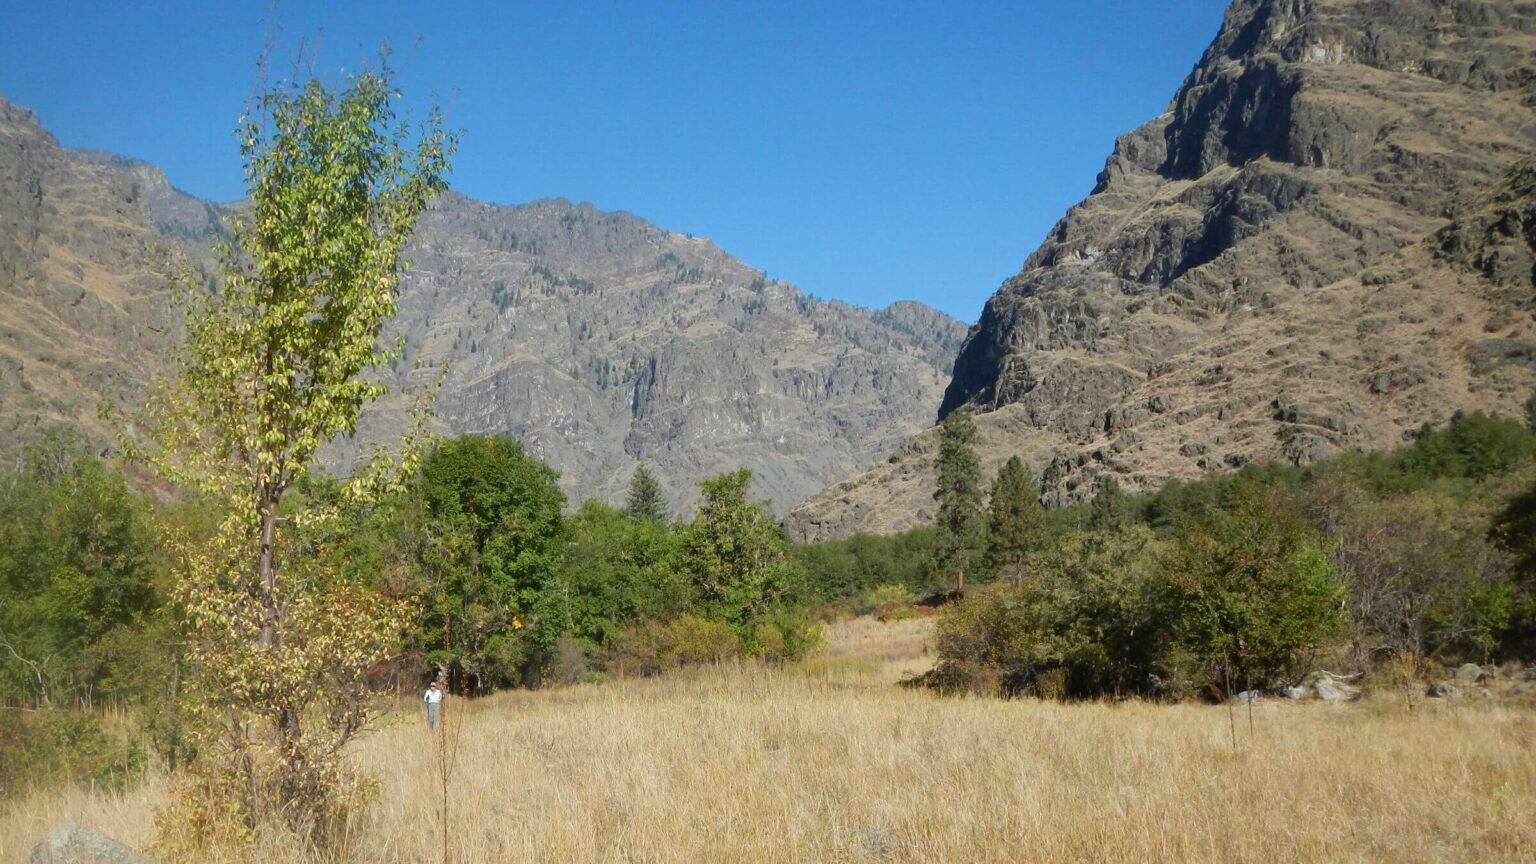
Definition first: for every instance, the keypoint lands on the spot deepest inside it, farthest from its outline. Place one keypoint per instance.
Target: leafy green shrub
(883, 596)
(654, 647)
(51, 748)
(786, 636)
(1250, 592)
(1078, 623)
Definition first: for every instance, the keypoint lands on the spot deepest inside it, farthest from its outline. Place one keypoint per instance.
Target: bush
(1250, 592)
(1078, 624)
(50, 748)
(654, 647)
(883, 596)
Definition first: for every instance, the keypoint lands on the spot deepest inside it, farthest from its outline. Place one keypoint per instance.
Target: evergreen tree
(1111, 507)
(959, 497)
(645, 499)
(1014, 527)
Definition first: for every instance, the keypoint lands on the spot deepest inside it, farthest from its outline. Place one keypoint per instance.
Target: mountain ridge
(1257, 274)
(598, 339)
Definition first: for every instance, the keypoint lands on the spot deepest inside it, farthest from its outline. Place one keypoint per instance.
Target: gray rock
(1470, 673)
(1529, 674)
(1443, 690)
(1329, 690)
(1264, 139)
(74, 844)
(1248, 697)
(1524, 688)
(1293, 692)
(873, 843)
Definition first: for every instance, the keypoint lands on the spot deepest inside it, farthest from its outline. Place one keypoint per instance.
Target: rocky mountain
(597, 339)
(1323, 243)
(84, 270)
(601, 341)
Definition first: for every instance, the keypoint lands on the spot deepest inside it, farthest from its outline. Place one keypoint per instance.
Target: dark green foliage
(490, 557)
(737, 556)
(1422, 552)
(645, 499)
(1081, 622)
(958, 493)
(77, 562)
(1111, 508)
(1251, 591)
(619, 571)
(1014, 526)
(1474, 445)
(843, 569)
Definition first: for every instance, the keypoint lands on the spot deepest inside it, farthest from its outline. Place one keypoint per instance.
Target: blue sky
(870, 152)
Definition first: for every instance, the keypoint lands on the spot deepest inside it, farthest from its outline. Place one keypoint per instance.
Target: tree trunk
(267, 571)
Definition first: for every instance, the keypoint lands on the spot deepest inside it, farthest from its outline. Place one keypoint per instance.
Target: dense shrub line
(1424, 555)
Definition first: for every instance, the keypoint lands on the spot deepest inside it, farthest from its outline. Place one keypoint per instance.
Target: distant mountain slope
(596, 338)
(1304, 253)
(600, 340)
(84, 316)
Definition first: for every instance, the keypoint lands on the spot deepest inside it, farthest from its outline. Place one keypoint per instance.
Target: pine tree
(1014, 526)
(645, 499)
(1111, 508)
(958, 495)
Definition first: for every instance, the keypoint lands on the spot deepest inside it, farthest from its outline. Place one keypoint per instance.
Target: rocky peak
(1301, 254)
(596, 338)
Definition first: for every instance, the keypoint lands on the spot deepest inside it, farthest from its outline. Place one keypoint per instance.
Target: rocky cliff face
(597, 339)
(1305, 252)
(84, 311)
(601, 341)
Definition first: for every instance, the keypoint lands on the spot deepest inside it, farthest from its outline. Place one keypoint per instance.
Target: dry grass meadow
(830, 762)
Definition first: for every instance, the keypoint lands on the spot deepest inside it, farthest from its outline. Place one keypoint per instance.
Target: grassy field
(830, 762)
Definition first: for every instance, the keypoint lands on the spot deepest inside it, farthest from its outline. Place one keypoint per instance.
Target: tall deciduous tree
(275, 364)
(958, 494)
(492, 554)
(1250, 590)
(76, 564)
(645, 499)
(1014, 527)
(737, 555)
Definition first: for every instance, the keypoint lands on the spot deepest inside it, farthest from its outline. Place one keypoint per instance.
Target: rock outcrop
(1324, 242)
(73, 844)
(597, 339)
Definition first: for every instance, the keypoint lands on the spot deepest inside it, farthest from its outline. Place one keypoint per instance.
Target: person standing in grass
(434, 699)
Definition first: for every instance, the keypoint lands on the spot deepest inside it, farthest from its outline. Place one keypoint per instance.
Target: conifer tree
(645, 499)
(1014, 526)
(959, 497)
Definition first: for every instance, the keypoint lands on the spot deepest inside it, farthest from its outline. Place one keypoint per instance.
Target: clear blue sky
(871, 152)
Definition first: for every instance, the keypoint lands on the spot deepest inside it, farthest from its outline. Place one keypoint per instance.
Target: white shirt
(432, 696)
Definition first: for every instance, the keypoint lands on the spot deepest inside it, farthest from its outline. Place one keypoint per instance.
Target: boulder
(1330, 687)
(74, 844)
(1248, 697)
(1444, 690)
(1470, 673)
(873, 843)
(1293, 692)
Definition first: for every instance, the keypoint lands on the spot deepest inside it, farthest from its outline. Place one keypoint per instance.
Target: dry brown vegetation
(829, 763)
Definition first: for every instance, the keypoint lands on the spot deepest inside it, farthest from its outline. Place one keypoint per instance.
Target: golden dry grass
(747, 764)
